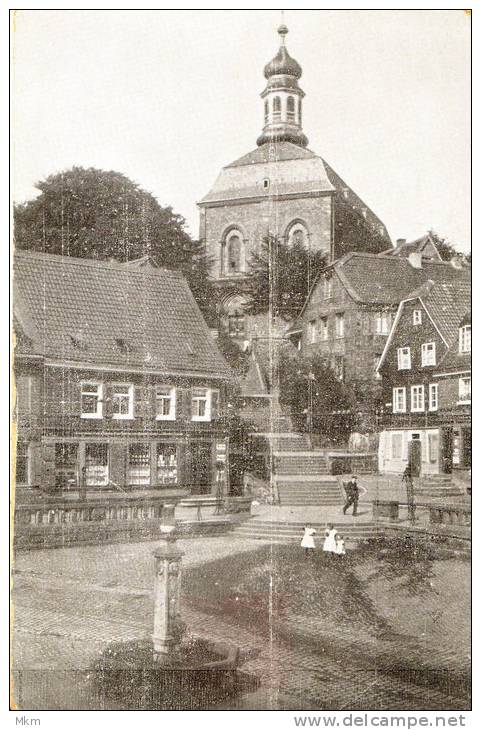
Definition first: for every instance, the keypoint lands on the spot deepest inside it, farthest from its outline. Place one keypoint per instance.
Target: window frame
(324, 329)
(464, 346)
(433, 403)
(400, 356)
(130, 395)
(462, 399)
(172, 399)
(328, 287)
(417, 317)
(208, 404)
(340, 331)
(421, 395)
(99, 395)
(400, 439)
(425, 351)
(312, 332)
(402, 391)
(383, 318)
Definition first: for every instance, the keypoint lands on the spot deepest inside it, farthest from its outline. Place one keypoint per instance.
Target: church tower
(282, 189)
(283, 98)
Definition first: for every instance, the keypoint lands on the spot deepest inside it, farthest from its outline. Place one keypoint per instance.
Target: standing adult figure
(352, 495)
(219, 488)
(407, 479)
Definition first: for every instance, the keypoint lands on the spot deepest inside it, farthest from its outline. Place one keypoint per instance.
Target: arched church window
(297, 234)
(266, 111)
(234, 254)
(291, 109)
(276, 108)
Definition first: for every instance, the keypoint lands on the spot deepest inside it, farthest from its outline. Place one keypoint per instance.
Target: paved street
(69, 604)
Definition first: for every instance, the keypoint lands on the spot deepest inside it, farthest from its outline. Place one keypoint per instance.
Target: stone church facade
(282, 189)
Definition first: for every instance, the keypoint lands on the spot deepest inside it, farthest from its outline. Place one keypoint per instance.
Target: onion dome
(282, 63)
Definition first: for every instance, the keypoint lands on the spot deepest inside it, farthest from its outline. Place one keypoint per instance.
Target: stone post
(167, 599)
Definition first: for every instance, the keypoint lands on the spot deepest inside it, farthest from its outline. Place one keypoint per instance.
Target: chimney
(400, 241)
(416, 260)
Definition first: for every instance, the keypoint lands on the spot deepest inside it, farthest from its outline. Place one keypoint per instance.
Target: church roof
(105, 313)
(289, 169)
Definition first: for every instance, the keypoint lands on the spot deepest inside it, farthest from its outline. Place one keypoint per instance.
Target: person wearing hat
(352, 495)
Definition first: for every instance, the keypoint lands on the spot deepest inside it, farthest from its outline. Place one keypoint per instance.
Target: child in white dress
(307, 541)
(330, 540)
(340, 547)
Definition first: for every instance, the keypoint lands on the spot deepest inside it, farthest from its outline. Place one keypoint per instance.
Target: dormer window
(265, 183)
(465, 338)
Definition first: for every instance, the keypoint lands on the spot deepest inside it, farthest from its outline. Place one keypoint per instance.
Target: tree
(311, 391)
(96, 214)
(446, 249)
(281, 276)
(236, 358)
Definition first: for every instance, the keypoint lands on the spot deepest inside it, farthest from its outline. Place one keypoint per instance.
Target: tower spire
(283, 97)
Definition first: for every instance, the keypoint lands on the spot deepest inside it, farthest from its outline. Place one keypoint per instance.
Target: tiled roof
(278, 152)
(386, 280)
(112, 314)
(447, 303)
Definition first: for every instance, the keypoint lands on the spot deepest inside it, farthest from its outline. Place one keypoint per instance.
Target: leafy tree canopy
(446, 249)
(100, 214)
(281, 276)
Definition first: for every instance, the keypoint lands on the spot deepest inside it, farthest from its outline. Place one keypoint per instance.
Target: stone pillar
(166, 599)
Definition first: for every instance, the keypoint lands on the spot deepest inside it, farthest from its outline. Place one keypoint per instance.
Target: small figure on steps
(340, 547)
(307, 541)
(330, 540)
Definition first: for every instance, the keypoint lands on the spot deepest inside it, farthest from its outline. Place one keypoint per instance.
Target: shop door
(414, 456)
(447, 451)
(201, 468)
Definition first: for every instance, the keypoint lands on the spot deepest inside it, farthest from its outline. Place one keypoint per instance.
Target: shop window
(165, 403)
(97, 464)
(122, 401)
(91, 400)
(417, 398)
(464, 390)
(66, 470)
(200, 404)
(396, 445)
(428, 353)
(139, 465)
(404, 358)
(21, 467)
(166, 464)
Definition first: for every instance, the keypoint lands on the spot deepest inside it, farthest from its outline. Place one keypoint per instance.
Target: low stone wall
(344, 462)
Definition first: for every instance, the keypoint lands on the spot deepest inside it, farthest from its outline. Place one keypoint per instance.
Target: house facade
(118, 380)
(426, 381)
(348, 314)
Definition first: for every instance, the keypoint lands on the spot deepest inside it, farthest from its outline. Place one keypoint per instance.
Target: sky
(170, 97)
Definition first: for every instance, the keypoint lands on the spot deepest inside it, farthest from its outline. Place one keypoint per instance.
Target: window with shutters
(404, 358)
(399, 400)
(165, 403)
(91, 400)
(428, 354)
(166, 464)
(139, 465)
(122, 401)
(21, 463)
(97, 464)
(201, 404)
(66, 471)
(417, 398)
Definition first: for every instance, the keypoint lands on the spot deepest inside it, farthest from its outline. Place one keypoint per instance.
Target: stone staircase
(291, 532)
(302, 477)
(437, 485)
